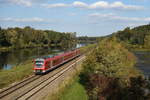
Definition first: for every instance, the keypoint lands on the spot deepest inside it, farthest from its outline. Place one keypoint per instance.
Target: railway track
(18, 85)
(29, 87)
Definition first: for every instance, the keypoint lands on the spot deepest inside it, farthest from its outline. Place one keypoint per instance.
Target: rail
(44, 81)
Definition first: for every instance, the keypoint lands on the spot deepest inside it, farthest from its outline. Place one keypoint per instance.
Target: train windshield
(39, 64)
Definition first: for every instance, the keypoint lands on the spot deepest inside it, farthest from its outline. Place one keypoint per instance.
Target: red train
(47, 63)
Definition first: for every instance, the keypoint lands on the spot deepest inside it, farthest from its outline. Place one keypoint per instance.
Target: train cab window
(39, 64)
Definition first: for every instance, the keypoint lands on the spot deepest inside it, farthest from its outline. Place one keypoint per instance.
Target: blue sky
(86, 17)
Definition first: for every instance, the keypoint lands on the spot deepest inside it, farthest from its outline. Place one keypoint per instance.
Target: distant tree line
(86, 39)
(138, 37)
(30, 37)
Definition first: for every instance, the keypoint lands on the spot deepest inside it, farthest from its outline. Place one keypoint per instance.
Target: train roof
(55, 55)
(51, 56)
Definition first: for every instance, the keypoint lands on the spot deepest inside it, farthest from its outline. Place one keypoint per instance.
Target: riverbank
(110, 73)
(16, 74)
(131, 47)
(13, 57)
(6, 49)
(139, 49)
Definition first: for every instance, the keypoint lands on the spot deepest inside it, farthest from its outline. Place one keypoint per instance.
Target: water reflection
(143, 62)
(12, 58)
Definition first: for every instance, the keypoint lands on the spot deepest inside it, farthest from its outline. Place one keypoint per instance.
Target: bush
(108, 88)
(85, 49)
(111, 59)
(109, 73)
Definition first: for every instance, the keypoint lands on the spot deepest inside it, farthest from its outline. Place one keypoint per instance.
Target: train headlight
(43, 71)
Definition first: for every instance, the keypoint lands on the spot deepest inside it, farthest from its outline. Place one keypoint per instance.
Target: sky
(86, 17)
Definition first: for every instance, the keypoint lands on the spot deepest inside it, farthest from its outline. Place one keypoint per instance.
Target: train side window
(46, 64)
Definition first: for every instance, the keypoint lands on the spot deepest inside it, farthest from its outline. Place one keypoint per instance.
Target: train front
(39, 67)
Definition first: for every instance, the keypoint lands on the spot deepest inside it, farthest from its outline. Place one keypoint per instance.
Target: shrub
(109, 73)
(110, 59)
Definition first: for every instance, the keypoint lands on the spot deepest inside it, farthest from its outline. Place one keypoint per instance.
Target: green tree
(29, 37)
(147, 41)
(109, 73)
(3, 40)
(110, 59)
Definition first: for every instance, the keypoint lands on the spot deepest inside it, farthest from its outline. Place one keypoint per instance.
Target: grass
(142, 50)
(74, 91)
(15, 74)
(4, 49)
(70, 90)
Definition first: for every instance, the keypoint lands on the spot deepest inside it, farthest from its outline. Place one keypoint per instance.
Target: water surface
(143, 62)
(15, 57)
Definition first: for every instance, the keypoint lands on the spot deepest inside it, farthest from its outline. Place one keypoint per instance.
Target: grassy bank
(74, 91)
(70, 89)
(4, 49)
(141, 49)
(15, 74)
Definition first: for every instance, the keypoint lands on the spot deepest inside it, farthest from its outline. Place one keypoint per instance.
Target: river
(15, 57)
(143, 62)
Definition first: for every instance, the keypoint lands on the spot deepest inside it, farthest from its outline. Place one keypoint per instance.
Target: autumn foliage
(109, 73)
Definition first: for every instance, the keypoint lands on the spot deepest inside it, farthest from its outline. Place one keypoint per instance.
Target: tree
(147, 41)
(110, 59)
(29, 37)
(109, 72)
(3, 40)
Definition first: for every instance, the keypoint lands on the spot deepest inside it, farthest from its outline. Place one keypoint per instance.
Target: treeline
(86, 39)
(30, 37)
(138, 37)
(109, 69)
(109, 73)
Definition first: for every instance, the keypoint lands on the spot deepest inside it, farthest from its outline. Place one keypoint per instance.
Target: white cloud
(99, 15)
(111, 16)
(80, 4)
(54, 5)
(120, 5)
(100, 4)
(97, 5)
(35, 19)
(27, 3)
(114, 5)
